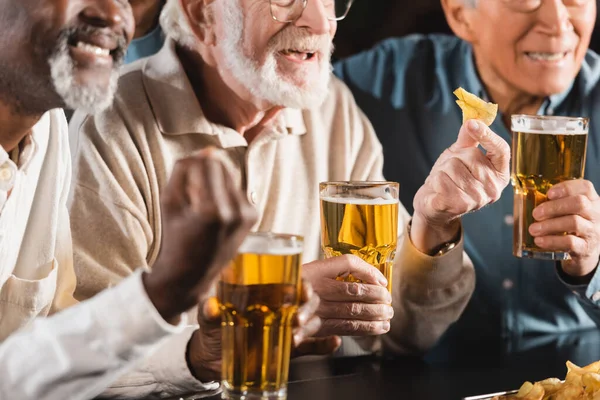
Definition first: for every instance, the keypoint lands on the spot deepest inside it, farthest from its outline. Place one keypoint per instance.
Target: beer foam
(379, 201)
(270, 245)
(554, 132)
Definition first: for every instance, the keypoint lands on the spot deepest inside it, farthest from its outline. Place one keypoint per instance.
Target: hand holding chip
(463, 179)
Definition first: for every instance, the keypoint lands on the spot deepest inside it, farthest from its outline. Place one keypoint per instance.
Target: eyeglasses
(527, 6)
(290, 10)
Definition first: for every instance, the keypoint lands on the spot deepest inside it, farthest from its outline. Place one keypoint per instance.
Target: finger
(572, 224)
(308, 329)
(573, 187)
(343, 266)
(317, 346)
(360, 311)
(475, 132)
(573, 205)
(338, 291)
(344, 327)
(483, 177)
(571, 244)
(210, 313)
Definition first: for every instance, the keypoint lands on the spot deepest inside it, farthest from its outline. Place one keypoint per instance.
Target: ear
(200, 19)
(459, 16)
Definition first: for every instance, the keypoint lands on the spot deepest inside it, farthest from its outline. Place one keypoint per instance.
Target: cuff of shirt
(172, 369)
(590, 292)
(434, 272)
(137, 316)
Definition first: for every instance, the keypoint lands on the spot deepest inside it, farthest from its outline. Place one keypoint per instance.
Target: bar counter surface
(471, 368)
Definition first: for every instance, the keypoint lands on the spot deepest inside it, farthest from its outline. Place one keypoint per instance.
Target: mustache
(70, 36)
(300, 39)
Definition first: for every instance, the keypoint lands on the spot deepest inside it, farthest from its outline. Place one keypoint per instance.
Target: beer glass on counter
(361, 218)
(259, 295)
(545, 151)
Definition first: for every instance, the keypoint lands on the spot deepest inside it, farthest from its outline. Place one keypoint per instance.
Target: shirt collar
(177, 110)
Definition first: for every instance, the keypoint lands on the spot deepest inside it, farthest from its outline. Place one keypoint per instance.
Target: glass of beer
(545, 151)
(361, 218)
(259, 295)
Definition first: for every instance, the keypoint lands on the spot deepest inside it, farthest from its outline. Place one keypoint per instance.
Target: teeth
(299, 54)
(90, 48)
(547, 56)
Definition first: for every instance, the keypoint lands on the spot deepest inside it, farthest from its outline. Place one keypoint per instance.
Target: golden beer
(362, 221)
(545, 151)
(259, 294)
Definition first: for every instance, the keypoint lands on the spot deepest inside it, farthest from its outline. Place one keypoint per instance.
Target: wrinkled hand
(204, 349)
(463, 179)
(350, 308)
(205, 219)
(572, 207)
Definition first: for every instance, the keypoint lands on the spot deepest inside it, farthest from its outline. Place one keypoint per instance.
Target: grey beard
(88, 98)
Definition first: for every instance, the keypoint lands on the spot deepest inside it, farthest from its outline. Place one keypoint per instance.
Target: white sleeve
(78, 353)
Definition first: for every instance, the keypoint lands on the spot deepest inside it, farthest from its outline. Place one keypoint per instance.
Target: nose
(314, 18)
(554, 18)
(104, 13)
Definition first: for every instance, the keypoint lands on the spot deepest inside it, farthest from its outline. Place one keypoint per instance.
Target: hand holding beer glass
(259, 295)
(361, 218)
(545, 152)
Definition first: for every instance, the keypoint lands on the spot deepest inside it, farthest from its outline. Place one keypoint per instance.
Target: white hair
(175, 24)
(264, 81)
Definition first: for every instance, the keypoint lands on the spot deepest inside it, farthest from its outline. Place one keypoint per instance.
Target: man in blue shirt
(149, 37)
(530, 57)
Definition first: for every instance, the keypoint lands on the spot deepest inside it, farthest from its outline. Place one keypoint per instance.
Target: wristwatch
(444, 247)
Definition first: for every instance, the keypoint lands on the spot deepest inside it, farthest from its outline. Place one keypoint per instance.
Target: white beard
(90, 99)
(264, 82)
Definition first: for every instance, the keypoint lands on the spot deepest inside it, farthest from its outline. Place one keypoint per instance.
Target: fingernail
(540, 241)
(538, 212)
(385, 326)
(383, 281)
(390, 312)
(301, 319)
(298, 339)
(473, 125)
(534, 229)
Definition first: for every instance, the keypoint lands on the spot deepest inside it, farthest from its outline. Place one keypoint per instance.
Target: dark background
(371, 21)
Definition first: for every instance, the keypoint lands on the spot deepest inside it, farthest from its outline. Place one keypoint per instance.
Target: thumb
(474, 133)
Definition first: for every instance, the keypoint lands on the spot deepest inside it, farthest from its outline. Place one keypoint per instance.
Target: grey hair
(175, 24)
(471, 3)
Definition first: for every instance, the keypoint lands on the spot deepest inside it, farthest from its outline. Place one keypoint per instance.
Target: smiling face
(58, 53)
(538, 52)
(284, 64)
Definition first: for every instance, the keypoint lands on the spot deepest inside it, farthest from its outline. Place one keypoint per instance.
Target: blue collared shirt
(405, 87)
(146, 45)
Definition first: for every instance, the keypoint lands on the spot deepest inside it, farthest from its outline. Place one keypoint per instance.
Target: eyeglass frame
(511, 6)
(304, 4)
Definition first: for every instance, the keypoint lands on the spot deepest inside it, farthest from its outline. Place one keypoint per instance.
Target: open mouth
(300, 55)
(548, 57)
(92, 49)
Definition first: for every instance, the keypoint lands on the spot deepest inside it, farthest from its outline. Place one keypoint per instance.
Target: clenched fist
(205, 219)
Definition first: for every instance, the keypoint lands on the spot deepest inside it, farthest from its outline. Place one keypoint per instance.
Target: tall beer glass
(545, 151)
(259, 294)
(361, 218)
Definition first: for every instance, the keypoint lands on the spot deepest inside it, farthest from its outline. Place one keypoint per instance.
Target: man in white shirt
(66, 53)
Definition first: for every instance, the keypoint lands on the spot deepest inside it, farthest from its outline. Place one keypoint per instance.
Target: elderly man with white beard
(253, 78)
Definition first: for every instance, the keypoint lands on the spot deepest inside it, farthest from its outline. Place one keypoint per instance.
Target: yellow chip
(475, 108)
